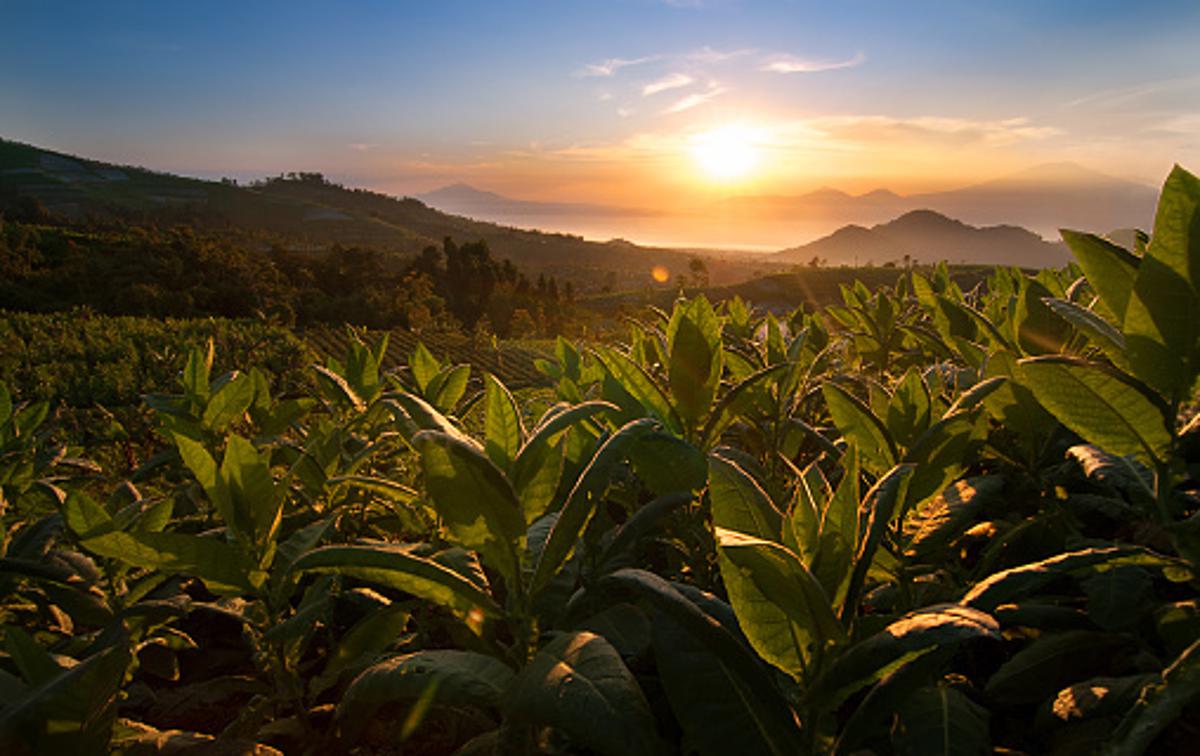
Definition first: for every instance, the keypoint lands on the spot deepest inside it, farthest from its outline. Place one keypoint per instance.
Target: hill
(464, 199)
(925, 236)
(303, 211)
(1044, 198)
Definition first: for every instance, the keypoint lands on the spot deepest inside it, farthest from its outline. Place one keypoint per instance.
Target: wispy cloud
(1123, 95)
(362, 146)
(789, 64)
(612, 65)
(670, 81)
(881, 128)
(695, 99)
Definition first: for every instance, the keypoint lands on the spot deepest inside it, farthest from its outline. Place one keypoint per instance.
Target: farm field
(949, 512)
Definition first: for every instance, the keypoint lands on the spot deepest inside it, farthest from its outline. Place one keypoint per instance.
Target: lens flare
(660, 273)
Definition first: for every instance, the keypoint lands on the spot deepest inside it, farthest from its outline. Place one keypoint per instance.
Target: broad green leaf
(578, 684)
(72, 712)
(1159, 705)
(1117, 598)
(475, 500)
(859, 426)
(204, 468)
(336, 387)
(388, 489)
(247, 476)
(502, 423)
(399, 567)
(1039, 330)
(413, 414)
(1130, 479)
(881, 503)
(1011, 585)
(940, 720)
(739, 399)
(718, 689)
(34, 663)
(666, 463)
(635, 381)
(941, 455)
(785, 582)
(1050, 663)
(1100, 405)
(356, 649)
(6, 404)
(195, 373)
(934, 526)
(222, 567)
(457, 678)
(585, 495)
(1098, 331)
(908, 638)
(1110, 269)
(694, 370)
(908, 413)
(84, 516)
(1162, 321)
(424, 367)
(739, 503)
(448, 387)
(229, 402)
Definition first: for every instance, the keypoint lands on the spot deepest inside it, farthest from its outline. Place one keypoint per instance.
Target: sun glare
(727, 153)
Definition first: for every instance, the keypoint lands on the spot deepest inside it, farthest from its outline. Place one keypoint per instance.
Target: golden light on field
(660, 273)
(726, 153)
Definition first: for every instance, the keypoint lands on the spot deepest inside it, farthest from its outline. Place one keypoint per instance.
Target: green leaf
(879, 506)
(786, 583)
(204, 468)
(859, 426)
(666, 463)
(1099, 404)
(502, 423)
(475, 500)
(72, 712)
(1117, 597)
(578, 684)
(738, 400)
(1011, 585)
(448, 387)
(424, 367)
(1039, 330)
(399, 567)
(1049, 664)
(335, 386)
(1099, 331)
(739, 503)
(359, 646)
(1162, 321)
(1159, 705)
(388, 489)
(229, 402)
(247, 475)
(718, 689)
(6, 404)
(907, 639)
(582, 501)
(634, 380)
(937, 524)
(195, 373)
(694, 370)
(940, 720)
(908, 413)
(34, 663)
(1110, 269)
(458, 678)
(84, 516)
(222, 567)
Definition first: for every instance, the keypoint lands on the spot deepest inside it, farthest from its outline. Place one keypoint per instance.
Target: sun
(726, 153)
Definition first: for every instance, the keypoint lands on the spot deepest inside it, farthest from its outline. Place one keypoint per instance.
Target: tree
(699, 272)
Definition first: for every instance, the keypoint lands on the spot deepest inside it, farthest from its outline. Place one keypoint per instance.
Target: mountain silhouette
(925, 236)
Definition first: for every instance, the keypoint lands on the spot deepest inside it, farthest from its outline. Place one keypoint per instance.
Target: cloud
(670, 81)
(707, 54)
(695, 99)
(362, 146)
(612, 65)
(1106, 98)
(788, 64)
(880, 128)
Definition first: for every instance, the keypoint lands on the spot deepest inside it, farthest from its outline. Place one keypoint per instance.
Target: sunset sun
(726, 153)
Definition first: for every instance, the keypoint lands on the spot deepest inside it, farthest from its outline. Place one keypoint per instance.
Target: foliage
(927, 520)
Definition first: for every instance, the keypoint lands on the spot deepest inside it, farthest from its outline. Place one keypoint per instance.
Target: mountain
(1049, 197)
(464, 199)
(306, 212)
(927, 237)
(1044, 198)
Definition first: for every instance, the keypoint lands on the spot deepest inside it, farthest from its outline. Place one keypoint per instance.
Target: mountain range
(1044, 199)
(304, 211)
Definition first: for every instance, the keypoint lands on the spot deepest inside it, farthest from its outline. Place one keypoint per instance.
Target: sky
(615, 102)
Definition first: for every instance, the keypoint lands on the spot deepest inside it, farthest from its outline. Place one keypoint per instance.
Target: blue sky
(601, 100)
